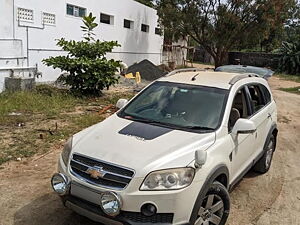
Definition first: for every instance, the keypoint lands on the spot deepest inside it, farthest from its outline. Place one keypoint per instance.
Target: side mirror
(121, 103)
(200, 158)
(243, 126)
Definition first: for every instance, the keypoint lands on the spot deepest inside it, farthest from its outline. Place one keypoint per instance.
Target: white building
(29, 28)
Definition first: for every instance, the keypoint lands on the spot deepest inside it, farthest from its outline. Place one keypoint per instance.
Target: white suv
(172, 153)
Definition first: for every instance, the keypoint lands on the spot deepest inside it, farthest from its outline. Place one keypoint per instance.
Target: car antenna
(194, 77)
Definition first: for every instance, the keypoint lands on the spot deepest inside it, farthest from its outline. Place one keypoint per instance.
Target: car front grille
(139, 218)
(112, 176)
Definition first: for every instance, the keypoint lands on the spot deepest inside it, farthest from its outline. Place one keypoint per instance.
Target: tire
(264, 163)
(215, 207)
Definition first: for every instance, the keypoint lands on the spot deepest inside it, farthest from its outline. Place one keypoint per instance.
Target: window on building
(77, 11)
(145, 28)
(105, 18)
(25, 14)
(158, 31)
(128, 24)
(48, 18)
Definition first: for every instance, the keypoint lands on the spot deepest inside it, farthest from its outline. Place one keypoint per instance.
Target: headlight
(170, 179)
(67, 151)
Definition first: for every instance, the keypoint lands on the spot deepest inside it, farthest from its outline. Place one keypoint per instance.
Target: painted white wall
(135, 44)
(6, 19)
(6, 32)
(11, 48)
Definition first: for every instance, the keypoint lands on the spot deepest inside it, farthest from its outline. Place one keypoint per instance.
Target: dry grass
(295, 78)
(32, 122)
(295, 90)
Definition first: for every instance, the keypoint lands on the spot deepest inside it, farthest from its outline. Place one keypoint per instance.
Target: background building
(29, 29)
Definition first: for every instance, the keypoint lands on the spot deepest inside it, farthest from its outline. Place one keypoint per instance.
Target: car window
(179, 105)
(266, 93)
(239, 108)
(256, 97)
(158, 93)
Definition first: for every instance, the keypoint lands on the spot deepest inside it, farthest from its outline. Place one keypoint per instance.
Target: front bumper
(95, 213)
(173, 207)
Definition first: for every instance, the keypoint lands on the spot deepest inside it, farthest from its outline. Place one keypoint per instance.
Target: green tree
(89, 26)
(290, 57)
(219, 26)
(292, 26)
(89, 69)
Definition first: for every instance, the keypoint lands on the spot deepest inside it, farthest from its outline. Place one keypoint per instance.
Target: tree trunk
(220, 58)
(219, 55)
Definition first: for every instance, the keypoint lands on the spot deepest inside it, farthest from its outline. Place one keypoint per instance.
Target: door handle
(269, 115)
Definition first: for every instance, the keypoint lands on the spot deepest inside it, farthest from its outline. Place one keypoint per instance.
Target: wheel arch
(223, 179)
(221, 174)
(272, 131)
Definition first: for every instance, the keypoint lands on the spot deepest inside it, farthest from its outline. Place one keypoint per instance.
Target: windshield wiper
(174, 126)
(139, 119)
(199, 128)
(151, 122)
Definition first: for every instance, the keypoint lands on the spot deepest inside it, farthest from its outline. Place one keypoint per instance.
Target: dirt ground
(26, 197)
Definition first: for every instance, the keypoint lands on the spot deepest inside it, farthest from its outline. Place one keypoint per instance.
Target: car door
(261, 117)
(242, 143)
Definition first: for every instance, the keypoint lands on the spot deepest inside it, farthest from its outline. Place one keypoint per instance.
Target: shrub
(89, 69)
(290, 57)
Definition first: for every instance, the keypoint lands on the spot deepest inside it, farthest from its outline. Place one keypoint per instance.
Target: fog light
(60, 184)
(148, 209)
(110, 203)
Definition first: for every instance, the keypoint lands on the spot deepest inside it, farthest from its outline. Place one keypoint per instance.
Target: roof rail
(184, 70)
(241, 76)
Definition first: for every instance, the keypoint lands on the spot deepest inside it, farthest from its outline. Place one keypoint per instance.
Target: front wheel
(214, 209)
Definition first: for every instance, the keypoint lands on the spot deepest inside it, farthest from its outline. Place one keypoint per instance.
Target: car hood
(139, 146)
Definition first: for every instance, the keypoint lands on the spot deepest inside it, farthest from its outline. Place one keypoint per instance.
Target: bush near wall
(89, 71)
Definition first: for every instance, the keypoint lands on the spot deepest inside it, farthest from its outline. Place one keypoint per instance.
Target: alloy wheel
(211, 211)
(270, 150)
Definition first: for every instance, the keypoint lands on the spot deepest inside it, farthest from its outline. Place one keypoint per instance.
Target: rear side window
(257, 99)
(266, 93)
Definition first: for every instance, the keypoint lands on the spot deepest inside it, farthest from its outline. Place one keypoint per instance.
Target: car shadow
(49, 210)
(251, 174)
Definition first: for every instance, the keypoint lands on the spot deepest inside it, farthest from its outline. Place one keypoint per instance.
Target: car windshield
(179, 106)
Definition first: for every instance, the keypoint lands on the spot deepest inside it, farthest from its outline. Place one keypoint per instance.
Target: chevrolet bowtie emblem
(96, 172)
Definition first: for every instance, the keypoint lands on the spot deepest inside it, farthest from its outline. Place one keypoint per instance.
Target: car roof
(221, 80)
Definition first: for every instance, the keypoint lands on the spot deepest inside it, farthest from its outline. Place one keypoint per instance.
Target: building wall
(6, 19)
(176, 52)
(260, 59)
(6, 37)
(135, 44)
